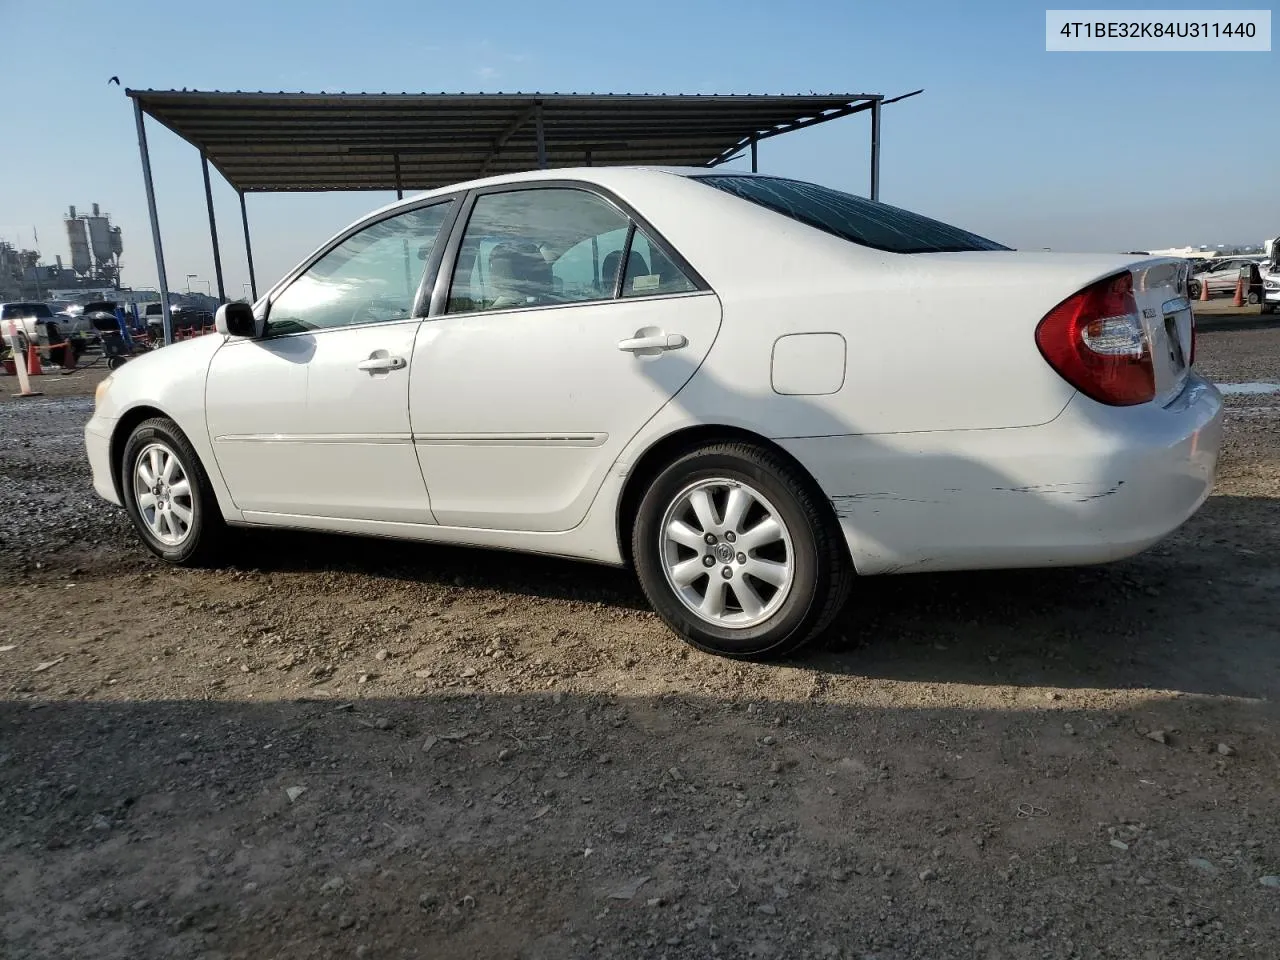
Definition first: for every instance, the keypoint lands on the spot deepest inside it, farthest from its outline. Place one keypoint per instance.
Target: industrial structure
(96, 246)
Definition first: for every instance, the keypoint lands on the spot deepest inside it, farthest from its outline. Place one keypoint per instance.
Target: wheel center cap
(724, 552)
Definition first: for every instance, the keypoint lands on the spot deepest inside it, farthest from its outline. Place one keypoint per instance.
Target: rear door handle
(654, 344)
(381, 364)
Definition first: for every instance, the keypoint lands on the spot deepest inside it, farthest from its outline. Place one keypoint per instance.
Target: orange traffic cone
(1238, 299)
(33, 361)
(1204, 289)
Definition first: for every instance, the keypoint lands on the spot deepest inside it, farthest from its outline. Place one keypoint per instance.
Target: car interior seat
(518, 275)
(636, 267)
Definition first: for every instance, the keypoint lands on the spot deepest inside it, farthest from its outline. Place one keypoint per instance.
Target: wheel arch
(670, 447)
(120, 436)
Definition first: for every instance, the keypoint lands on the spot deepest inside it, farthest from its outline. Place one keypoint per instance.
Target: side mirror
(236, 320)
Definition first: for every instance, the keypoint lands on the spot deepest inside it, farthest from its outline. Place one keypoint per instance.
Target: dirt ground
(345, 748)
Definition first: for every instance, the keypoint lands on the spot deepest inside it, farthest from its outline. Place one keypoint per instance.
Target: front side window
(868, 223)
(370, 277)
(536, 247)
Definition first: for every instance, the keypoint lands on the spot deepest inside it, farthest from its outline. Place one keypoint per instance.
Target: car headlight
(101, 391)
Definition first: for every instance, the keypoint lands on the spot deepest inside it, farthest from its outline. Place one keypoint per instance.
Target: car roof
(601, 176)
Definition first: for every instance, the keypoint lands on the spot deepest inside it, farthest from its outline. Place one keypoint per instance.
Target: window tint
(371, 277)
(528, 248)
(861, 221)
(650, 271)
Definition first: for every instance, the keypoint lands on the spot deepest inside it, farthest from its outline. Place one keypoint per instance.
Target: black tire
(114, 362)
(822, 572)
(1254, 299)
(1193, 289)
(207, 532)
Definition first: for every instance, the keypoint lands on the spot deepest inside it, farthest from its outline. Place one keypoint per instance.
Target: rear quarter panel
(932, 341)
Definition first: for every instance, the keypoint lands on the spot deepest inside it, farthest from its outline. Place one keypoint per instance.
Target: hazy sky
(1106, 151)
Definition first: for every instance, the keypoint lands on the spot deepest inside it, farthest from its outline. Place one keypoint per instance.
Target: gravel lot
(345, 748)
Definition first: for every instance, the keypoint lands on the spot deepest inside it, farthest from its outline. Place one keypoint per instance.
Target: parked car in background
(1221, 275)
(1271, 292)
(746, 388)
(182, 317)
(71, 316)
(35, 322)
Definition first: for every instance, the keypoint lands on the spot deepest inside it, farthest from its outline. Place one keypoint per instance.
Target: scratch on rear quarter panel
(881, 495)
(1080, 492)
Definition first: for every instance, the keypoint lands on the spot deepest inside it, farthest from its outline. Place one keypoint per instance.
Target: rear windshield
(22, 311)
(861, 221)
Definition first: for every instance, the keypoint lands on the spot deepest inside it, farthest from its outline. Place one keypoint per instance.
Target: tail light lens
(1095, 340)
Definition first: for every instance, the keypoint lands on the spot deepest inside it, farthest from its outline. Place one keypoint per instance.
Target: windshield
(856, 219)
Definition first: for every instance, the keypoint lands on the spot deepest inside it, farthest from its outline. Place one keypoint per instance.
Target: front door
(546, 362)
(312, 419)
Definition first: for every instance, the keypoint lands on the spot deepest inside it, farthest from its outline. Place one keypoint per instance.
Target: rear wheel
(1254, 299)
(735, 553)
(168, 496)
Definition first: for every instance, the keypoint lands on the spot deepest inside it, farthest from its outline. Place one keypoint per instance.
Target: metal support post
(875, 149)
(542, 139)
(399, 182)
(213, 228)
(755, 167)
(166, 316)
(248, 248)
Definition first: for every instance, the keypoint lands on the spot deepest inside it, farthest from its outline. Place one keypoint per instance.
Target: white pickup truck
(32, 320)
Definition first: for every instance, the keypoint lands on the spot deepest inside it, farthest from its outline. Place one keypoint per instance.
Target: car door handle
(380, 364)
(660, 341)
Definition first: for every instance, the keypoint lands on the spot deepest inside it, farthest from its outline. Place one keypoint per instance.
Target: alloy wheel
(726, 553)
(162, 492)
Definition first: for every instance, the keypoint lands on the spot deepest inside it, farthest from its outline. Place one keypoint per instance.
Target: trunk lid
(1160, 289)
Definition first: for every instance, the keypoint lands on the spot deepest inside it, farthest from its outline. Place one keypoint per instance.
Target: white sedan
(747, 388)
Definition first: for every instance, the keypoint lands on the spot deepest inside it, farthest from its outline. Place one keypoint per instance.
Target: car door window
(650, 271)
(534, 247)
(370, 277)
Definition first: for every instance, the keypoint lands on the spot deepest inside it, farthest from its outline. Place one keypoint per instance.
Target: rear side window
(856, 219)
(650, 271)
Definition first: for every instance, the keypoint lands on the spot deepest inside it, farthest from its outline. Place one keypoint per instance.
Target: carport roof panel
(358, 141)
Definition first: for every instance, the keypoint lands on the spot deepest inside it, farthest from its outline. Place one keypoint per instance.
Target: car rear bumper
(97, 443)
(1096, 484)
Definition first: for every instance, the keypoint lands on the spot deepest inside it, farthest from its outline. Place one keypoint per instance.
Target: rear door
(541, 363)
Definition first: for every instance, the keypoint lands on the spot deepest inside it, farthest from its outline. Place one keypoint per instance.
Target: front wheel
(168, 496)
(735, 552)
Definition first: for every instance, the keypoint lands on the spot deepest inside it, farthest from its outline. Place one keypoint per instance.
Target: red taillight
(1096, 342)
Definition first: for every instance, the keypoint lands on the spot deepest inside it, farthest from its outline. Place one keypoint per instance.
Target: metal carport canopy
(278, 142)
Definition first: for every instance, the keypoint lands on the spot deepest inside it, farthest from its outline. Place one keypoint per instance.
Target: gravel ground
(346, 748)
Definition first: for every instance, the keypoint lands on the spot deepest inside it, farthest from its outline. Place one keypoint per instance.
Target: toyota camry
(747, 388)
